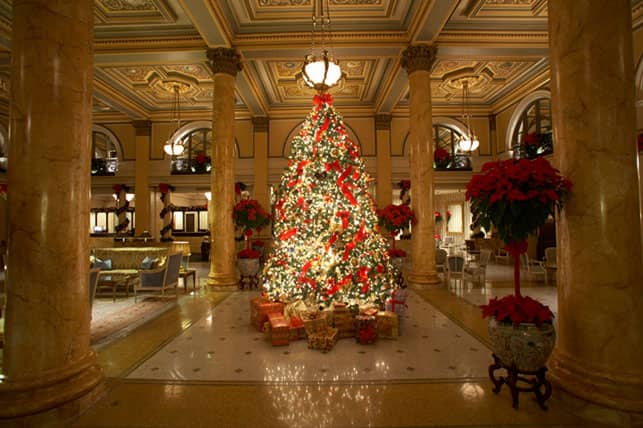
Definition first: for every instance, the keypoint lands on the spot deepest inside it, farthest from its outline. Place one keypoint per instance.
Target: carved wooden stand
(514, 376)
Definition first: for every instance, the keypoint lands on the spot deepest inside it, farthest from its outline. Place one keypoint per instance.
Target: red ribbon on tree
(288, 234)
(331, 241)
(322, 129)
(319, 99)
(343, 215)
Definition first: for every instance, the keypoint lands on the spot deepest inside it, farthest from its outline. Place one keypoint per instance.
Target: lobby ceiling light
(175, 148)
(321, 72)
(469, 142)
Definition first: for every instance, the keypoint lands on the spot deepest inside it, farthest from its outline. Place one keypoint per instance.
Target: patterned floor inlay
(212, 351)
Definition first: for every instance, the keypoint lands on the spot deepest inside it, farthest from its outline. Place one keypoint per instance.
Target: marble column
(384, 180)
(142, 183)
(418, 60)
(261, 191)
(225, 64)
(600, 278)
(48, 362)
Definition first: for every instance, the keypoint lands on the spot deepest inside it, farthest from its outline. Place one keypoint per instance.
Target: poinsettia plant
(441, 158)
(250, 215)
(517, 310)
(438, 216)
(516, 197)
(395, 218)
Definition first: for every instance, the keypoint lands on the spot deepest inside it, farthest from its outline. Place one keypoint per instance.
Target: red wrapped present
(296, 328)
(387, 325)
(365, 329)
(323, 340)
(279, 330)
(259, 310)
(369, 311)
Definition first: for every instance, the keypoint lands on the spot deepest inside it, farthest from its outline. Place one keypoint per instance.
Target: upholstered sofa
(129, 260)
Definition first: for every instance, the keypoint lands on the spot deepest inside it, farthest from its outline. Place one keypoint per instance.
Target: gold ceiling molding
(459, 37)
(146, 44)
(507, 9)
(535, 83)
(289, 40)
(110, 12)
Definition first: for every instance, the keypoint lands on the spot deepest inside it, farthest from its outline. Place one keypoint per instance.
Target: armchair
(534, 267)
(441, 260)
(93, 282)
(478, 269)
(455, 269)
(162, 278)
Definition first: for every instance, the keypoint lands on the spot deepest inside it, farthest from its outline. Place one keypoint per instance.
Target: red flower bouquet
(438, 216)
(249, 214)
(441, 158)
(517, 310)
(517, 197)
(394, 218)
(248, 254)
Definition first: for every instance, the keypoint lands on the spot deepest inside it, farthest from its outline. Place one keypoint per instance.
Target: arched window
(447, 155)
(532, 131)
(195, 158)
(106, 151)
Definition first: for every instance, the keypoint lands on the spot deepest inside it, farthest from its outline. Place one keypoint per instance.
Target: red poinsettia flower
(517, 310)
(250, 215)
(395, 217)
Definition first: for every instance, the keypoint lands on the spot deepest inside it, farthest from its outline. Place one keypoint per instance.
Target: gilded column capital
(143, 128)
(224, 60)
(383, 122)
(418, 57)
(260, 123)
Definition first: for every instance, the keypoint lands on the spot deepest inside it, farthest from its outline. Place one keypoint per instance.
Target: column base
(615, 390)
(423, 278)
(60, 395)
(222, 280)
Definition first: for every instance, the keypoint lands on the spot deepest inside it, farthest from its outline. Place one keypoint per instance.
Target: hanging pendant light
(323, 72)
(469, 141)
(175, 148)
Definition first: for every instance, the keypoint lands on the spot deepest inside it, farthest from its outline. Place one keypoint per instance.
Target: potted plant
(517, 197)
(441, 158)
(249, 215)
(438, 216)
(394, 218)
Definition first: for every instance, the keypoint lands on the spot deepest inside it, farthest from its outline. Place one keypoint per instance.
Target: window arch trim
(518, 112)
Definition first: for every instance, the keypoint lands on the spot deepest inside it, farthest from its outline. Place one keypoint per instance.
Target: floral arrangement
(517, 310)
(449, 215)
(395, 217)
(248, 254)
(441, 158)
(438, 216)
(517, 197)
(249, 214)
(202, 163)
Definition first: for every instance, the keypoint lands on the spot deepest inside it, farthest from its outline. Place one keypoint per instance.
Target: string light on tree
(327, 241)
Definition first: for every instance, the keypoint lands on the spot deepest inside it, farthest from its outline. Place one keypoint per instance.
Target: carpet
(107, 326)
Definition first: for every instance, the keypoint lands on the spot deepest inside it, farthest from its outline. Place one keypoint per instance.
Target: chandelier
(469, 142)
(170, 147)
(320, 72)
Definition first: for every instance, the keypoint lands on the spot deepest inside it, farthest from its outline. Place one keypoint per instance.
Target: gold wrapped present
(387, 325)
(314, 321)
(345, 324)
(323, 340)
(296, 328)
(295, 309)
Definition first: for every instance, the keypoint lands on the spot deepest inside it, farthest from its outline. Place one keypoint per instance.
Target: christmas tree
(328, 247)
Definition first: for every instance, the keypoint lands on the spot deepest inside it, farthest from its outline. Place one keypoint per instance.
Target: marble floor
(201, 364)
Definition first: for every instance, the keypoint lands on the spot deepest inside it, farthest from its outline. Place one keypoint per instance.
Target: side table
(534, 384)
(185, 274)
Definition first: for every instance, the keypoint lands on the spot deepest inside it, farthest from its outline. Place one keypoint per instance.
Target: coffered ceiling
(143, 48)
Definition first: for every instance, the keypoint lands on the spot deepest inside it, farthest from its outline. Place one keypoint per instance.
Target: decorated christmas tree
(328, 247)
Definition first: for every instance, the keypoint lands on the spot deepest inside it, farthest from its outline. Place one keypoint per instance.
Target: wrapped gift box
(314, 321)
(387, 325)
(365, 329)
(279, 330)
(259, 310)
(397, 302)
(368, 311)
(296, 328)
(295, 309)
(323, 340)
(345, 324)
